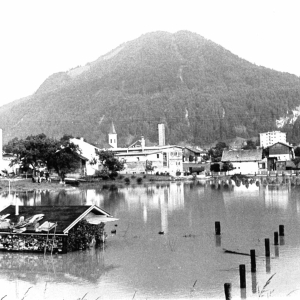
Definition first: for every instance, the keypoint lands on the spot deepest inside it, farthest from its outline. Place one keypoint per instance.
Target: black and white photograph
(150, 150)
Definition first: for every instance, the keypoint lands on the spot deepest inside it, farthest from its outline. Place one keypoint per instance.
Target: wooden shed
(51, 228)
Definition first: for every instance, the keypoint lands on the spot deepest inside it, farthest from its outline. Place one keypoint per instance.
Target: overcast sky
(41, 37)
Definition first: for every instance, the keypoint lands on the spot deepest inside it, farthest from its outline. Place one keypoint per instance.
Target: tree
(227, 166)
(66, 159)
(297, 151)
(216, 152)
(39, 150)
(250, 145)
(149, 166)
(109, 161)
(33, 152)
(215, 167)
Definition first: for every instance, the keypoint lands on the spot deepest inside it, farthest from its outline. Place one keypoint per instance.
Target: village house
(153, 159)
(245, 161)
(88, 162)
(279, 156)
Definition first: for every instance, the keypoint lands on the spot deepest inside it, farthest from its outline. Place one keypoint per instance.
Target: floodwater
(186, 261)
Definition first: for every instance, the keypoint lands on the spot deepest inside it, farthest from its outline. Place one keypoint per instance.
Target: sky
(42, 37)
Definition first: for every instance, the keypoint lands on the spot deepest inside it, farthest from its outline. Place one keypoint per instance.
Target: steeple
(112, 136)
(112, 129)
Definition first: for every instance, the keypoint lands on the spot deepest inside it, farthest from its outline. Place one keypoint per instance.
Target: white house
(245, 161)
(87, 154)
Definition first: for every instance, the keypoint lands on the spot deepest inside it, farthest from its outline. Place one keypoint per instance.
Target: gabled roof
(242, 155)
(87, 151)
(65, 216)
(285, 144)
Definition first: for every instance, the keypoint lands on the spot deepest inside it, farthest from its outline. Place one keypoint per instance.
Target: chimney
(143, 143)
(161, 135)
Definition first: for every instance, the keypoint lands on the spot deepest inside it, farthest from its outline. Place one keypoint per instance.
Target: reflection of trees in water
(25, 196)
(88, 265)
(64, 197)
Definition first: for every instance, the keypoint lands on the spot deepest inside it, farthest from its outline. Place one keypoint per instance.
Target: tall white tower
(112, 136)
(161, 135)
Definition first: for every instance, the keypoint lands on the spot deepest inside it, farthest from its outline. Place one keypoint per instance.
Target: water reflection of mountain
(77, 266)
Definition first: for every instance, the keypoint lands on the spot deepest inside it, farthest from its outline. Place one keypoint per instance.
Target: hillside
(201, 91)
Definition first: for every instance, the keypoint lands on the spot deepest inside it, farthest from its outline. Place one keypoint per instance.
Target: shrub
(178, 173)
(132, 176)
(105, 177)
(121, 177)
(127, 180)
(157, 173)
(144, 176)
(139, 180)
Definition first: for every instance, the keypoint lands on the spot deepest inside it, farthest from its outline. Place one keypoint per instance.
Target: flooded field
(165, 245)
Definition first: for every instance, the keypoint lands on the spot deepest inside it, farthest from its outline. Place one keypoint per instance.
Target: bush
(144, 176)
(132, 176)
(121, 177)
(178, 173)
(127, 180)
(139, 180)
(157, 173)
(105, 177)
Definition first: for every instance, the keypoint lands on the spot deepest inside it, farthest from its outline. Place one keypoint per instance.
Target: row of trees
(61, 155)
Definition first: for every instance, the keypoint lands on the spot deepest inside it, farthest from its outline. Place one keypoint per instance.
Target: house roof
(242, 155)
(65, 216)
(285, 144)
(87, 150)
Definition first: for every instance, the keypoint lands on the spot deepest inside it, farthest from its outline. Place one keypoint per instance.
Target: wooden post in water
(275, 238)
(267, 247)
(253, 260)
(242, 269)
(281, 230)
(217, 228)
(227, 290)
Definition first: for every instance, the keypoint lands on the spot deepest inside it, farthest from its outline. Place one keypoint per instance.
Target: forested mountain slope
(201, 91)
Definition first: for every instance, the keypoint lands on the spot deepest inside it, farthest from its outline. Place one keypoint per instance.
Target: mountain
(201, 91)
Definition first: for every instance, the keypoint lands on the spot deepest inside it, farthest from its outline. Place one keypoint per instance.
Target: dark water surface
(187, 261)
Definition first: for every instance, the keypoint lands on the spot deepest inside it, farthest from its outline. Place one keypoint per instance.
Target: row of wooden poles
(242, 268)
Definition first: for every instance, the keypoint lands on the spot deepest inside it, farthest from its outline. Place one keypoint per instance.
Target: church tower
(112, 136)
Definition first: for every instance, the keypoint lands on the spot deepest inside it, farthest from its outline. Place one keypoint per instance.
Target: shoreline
(26, 185)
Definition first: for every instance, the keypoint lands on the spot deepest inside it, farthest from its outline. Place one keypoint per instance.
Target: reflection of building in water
(92, 197)
(276, 196)
(247, 192)
(167, 198)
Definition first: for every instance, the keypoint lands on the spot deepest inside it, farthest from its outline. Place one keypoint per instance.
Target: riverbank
(19, 184)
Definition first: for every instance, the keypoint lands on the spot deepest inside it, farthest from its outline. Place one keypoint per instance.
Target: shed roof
(65, 216)
(242, 155)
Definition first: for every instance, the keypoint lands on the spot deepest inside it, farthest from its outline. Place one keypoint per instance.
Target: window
(165, 161)
(157, 155)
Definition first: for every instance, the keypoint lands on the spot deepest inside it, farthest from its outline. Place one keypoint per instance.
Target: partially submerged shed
(51, 228)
